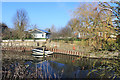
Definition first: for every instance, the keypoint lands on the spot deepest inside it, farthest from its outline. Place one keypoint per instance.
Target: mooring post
(44, 51)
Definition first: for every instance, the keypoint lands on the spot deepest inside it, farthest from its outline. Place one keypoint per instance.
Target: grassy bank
(17, 55)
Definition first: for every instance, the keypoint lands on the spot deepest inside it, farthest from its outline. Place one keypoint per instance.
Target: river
(54, 66)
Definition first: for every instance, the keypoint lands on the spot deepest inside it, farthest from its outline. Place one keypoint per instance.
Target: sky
(43, 14)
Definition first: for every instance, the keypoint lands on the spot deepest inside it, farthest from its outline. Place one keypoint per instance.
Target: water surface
(54, 66)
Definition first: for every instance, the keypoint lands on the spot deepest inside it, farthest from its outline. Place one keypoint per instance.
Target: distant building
(80, 35)
(38, 33)
(105, 33)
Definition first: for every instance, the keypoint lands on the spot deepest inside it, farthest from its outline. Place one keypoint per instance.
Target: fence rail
(20, 44)
(21, 40)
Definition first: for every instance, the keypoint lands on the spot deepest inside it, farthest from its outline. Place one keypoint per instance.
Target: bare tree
(65, 32)
(34, 26)
(53, 28)
(21, 22)
(89, 19)
(54, 33)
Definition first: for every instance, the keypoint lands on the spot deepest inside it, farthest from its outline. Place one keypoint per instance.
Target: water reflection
(55, 66)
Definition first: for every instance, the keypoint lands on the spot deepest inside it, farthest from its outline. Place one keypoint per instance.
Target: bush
(77, 39)
(110, 46)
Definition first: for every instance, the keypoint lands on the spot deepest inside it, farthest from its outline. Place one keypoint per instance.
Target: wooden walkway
(62, 51)
(55, 50)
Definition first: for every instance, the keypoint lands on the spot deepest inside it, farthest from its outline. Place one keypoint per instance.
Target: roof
(44, 31)
(40, 30)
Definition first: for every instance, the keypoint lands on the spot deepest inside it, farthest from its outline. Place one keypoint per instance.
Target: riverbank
(95, 55)
(16, 55)
(64, 48)
(55, 66)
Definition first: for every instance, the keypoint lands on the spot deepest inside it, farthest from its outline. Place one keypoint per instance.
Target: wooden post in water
(43, 51)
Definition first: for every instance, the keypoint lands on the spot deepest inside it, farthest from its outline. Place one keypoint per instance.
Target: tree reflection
(108, 69)
(55, 66)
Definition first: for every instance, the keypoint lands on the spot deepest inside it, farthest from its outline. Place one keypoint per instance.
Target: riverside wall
(56, 47)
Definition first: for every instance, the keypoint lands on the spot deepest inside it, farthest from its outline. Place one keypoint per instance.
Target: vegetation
(5, 31)
(91, 25)
(8, 33)
(110, 69)
(21, 23)
(114, 7)
(91, 22)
